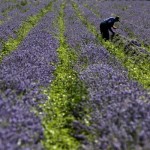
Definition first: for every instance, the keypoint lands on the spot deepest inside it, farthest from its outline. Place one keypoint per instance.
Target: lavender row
(120, 109)
(132, 46)
(50, 22)
(9, 9)
(120, 116)
(76, 33)
(9, 28)
(81, 38)
(22, 75)
(134, 16)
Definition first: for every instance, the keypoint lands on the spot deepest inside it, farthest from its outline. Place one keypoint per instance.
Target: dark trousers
(104, 31)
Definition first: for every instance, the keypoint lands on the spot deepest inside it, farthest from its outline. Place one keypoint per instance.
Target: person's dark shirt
(110, 21)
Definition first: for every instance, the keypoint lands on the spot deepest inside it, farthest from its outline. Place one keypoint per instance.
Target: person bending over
(107, 26)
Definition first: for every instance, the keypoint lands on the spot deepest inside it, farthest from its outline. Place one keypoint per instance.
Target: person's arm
(114, 27)
(110, 29)
(111, 25)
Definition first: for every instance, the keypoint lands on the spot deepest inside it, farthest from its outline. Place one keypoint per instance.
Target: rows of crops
(63, 87)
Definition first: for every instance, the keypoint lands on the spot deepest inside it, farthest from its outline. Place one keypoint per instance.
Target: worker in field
(107, 26)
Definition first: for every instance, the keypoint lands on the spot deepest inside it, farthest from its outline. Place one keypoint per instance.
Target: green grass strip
(91, 9)
(23, 31)
(1, 22)
(138, 65)
(64, 95)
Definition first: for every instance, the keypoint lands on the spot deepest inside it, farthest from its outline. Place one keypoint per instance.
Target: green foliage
(1, 22)
(93, 10)
(137, 65)
(6, 10)
(64, 95)
(23, 2)
(129, 31)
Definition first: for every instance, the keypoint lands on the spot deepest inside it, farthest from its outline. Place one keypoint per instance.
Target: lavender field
(62, 87)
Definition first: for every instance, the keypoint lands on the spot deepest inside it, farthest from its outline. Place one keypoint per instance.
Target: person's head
(117, 18)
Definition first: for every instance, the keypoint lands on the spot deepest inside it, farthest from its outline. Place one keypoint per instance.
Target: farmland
(62, 87)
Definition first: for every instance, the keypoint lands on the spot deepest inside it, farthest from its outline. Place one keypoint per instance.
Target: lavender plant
(120, 109)
(118, 116)
(9, 28)
(22, 74)
(22, 32)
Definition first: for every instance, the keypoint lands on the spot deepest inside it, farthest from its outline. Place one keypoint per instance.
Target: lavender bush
(9, 28)
(22, 74)
(118, 117)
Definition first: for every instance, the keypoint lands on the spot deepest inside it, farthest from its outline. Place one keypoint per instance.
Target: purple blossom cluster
(76, 33)
(9, 27)
(23, 74)
(120, 113)
(48, 23)
(5, 5)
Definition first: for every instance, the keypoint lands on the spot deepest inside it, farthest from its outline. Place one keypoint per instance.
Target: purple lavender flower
(120, 108)
(22, 74)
